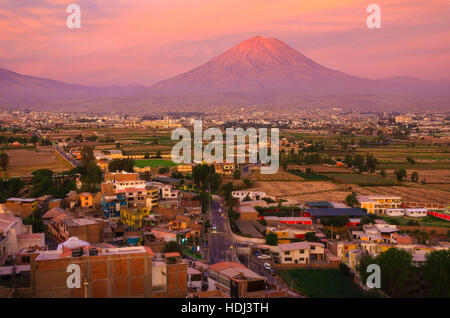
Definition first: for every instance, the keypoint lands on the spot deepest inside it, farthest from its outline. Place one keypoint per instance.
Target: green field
(322, 283)
(361, 179)
(141, 163)
(425, 221)
(310, 176)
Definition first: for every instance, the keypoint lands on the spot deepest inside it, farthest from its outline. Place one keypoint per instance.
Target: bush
(344, 269)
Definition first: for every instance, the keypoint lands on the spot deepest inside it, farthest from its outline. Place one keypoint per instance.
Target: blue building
(111, 205)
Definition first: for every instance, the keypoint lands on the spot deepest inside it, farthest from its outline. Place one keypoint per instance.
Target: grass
(322, 283)
(408, 166)
(425, 221)
(188, 252)
(141, 163)
(310, 176)
(361, 179)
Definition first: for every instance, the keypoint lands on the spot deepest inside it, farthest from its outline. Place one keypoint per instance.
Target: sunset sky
(127, 42)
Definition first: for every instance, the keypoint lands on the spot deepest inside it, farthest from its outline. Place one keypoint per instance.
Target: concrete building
(21, 207)
(301, 252)
(236, 280)
(378, 204)
(109, 272)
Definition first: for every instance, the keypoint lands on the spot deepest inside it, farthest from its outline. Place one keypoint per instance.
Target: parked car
(264, 256)
(272, 272)
(267, 266)
(256, 253)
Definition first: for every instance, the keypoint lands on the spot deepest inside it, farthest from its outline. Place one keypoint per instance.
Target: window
(313, 247)
(287, 253)
(288, 259)
(301, 251)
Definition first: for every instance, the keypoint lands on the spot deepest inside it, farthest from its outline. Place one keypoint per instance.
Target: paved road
(220, 240)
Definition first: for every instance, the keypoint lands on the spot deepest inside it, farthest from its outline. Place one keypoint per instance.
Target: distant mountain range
(257, 71)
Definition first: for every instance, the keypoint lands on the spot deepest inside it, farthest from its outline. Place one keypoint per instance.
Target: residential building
(21, 207)
(109, 272)
(133, 217)
(86, 200)
(236, 280)
(301, 252)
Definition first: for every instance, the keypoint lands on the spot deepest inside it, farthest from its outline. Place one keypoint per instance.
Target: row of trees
(398, 273)
(362, 163)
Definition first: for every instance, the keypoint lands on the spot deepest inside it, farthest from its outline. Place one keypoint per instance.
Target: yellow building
(86, 200)
(377, 204)
(184, 168)
(133, 217)
(153, 193)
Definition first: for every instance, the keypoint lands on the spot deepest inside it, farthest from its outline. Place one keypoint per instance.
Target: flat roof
(28, 200)
(336, 212)
(247, 209)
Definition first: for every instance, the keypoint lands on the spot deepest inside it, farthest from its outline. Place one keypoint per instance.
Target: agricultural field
(362, 179)
(322, 283)
(426, 221)
(23, 161)
(303, 191)
(141, 163)
(255, 175)
(416, 193)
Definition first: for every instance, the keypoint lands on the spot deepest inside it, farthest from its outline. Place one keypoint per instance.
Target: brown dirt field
(417, 193)
(279, 176)
(24, 162)
(320, 168)
(431, 176)
(303, 191)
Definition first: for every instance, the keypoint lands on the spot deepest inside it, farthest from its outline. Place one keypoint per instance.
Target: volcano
(265, 65)
(258, 71)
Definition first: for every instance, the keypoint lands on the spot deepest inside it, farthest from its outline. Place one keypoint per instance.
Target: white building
(395, 212)
(416, 213)
(253, 195)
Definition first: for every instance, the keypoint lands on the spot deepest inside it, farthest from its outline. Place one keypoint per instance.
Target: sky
(140, 42)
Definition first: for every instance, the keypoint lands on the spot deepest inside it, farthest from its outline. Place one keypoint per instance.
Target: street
(220, 239)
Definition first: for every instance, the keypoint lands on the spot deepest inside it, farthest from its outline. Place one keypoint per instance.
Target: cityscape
(93, 203)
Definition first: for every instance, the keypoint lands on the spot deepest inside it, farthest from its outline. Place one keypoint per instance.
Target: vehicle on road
(267, 266)
(272, 272)
(256, 253)
(264, 256)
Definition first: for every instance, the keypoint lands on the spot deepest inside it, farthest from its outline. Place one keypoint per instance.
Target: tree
(396, 269)
(237, 174)
(284, 164)
(415, 177)
(271, 239)
(400, 174)
(163, 170)
(348, 160)
(344, 269)
(87, 155)
(125, 164)
(383, 173)
(436, 271)
(4, 161)
(147, 155)
(410, 160)
(358, 162)
(361, 268)
(352, 200)
(371, 162)
(158, 154)
(311, 237)
(172, 247)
